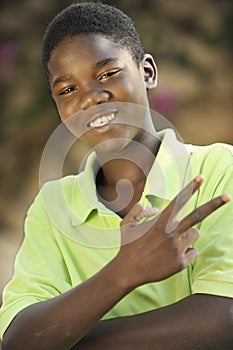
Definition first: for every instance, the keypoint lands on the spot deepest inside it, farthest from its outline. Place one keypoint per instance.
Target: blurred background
(192, 45)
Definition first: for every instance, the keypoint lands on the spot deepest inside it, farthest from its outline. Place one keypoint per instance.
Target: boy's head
(91, 18)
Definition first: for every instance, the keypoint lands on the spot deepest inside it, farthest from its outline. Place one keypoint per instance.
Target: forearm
(198, 322)
(61, 322)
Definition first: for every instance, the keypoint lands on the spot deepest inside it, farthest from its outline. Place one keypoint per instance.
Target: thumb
(139, 212)
(130, 229)
(132, 215)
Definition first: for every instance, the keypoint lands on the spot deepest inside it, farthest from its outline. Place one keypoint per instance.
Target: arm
(60, 322)
(202, 322)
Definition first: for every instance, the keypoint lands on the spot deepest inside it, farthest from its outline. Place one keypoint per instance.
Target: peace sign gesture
(158, 248)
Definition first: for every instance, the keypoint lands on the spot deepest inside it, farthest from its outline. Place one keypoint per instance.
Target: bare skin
(92, 71)
(196, 322)
(60, 323)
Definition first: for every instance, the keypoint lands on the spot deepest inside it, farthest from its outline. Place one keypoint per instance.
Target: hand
(160, 247)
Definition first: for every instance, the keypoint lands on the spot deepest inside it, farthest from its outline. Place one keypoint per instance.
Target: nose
(94, 97)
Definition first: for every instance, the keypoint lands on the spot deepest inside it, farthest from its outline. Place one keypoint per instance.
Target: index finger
(182, 198)
(200, 213)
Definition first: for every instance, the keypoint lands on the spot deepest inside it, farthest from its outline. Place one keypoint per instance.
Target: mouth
(100, 120)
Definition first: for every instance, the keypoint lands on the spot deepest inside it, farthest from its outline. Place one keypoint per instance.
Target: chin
(115, 147)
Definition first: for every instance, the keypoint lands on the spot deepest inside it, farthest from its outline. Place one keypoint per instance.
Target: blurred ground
(192, 45)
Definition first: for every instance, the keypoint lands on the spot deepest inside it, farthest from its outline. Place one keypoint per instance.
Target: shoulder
(66, 184)
(54, 194)
(217, 149)
(210, 159)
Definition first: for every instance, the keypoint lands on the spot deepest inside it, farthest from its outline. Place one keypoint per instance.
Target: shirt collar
(170, 170)
(84, 199)
(165, 179)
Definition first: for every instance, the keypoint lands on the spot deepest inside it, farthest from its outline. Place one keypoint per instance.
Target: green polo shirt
(70, 235)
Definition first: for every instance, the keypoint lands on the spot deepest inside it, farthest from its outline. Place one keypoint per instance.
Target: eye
(67, 91)
(109, 74)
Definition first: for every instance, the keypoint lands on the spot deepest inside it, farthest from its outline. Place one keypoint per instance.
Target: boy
(105, 262)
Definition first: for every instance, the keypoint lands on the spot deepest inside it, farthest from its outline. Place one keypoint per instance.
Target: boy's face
(91, 70)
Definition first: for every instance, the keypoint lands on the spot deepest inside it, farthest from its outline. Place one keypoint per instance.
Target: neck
(133, 163)
(122, 177)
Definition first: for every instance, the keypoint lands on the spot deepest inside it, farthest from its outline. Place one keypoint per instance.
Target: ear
(149, 71)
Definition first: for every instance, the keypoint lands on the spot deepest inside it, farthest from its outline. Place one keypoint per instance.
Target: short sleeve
(212, 272)
(39, 272)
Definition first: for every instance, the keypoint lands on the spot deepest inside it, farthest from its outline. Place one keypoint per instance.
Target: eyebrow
(63, 79)
(105, 62)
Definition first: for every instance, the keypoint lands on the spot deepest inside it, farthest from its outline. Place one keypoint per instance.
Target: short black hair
(91, 18)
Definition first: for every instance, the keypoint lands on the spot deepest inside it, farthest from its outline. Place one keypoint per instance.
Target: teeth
(102, 120)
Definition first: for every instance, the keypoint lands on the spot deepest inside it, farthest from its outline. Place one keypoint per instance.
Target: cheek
(133, 90)
(66, 109)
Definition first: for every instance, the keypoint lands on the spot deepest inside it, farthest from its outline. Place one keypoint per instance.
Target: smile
(102, 120)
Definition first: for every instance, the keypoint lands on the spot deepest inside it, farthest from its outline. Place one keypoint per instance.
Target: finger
(190, 255)
(189, 237)
(133, 214)
(202, 212)
(182, 198)
(147, 212)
